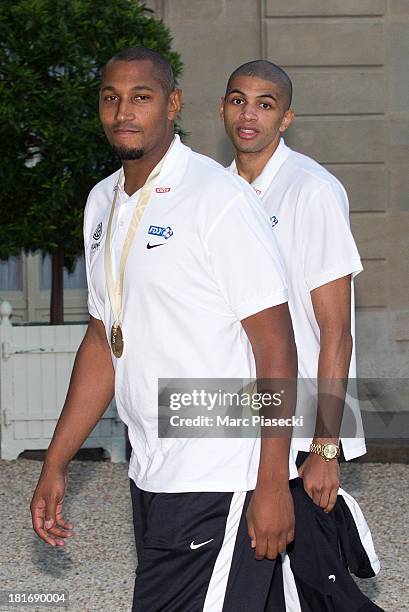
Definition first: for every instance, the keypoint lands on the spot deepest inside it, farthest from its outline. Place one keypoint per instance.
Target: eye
(236, 101)
(110, 98)
(265, 105)
(142, 98)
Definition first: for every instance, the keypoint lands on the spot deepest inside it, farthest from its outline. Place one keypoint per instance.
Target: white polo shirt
(201, 261)
(309, 212)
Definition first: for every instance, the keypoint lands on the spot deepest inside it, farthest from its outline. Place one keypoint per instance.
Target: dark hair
(269, 72)
(163, 67)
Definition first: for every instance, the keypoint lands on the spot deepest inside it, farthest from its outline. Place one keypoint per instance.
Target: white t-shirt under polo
(309, 212)
(201, 261)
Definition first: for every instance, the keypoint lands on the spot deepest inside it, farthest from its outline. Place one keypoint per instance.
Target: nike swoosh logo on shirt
(152, 246)
(193, 546)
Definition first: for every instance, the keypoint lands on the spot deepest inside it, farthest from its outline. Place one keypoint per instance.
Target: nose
(248, 112)
(124, 111)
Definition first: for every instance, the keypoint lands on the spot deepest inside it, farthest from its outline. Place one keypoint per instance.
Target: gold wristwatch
(327, 451)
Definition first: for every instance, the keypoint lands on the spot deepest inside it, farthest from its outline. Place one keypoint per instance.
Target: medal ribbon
(115, 290)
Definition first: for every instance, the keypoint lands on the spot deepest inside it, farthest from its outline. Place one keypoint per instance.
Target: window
(76, 280)
(11, 274)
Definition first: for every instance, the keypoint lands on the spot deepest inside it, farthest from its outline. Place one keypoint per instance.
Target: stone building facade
(348, 60)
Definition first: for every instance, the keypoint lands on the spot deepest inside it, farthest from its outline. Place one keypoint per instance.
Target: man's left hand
(270, 520)
(321, 480)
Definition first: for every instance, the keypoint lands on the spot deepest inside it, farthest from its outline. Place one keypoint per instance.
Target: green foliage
(52, 147)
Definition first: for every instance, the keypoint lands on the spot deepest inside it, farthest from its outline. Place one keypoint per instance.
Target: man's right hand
(46, 508)
(90, 390)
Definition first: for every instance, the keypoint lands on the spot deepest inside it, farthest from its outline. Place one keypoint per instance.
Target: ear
(287, 120)
(174, 104)
(221, 109)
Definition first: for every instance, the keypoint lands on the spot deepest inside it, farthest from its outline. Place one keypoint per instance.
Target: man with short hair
(203, 296)
(308, 210)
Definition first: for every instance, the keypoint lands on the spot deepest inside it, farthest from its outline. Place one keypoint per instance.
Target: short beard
(128, 154)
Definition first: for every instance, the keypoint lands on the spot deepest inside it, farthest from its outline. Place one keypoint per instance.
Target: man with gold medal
(185, 281)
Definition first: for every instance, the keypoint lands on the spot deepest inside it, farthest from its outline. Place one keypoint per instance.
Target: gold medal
(117, 340)
(116, 289)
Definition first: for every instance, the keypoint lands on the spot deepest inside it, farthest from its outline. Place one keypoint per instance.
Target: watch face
(330, 451)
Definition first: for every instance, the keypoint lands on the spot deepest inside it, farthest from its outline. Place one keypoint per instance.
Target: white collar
(172, 168)
(263, 181)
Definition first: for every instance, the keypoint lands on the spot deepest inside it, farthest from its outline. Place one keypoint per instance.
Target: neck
(251, 165)
(136, 171)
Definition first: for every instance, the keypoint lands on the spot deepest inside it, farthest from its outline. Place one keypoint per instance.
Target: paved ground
(97, 567)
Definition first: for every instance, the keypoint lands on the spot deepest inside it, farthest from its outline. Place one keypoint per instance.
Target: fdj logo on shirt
(273, 220)
(163, 232)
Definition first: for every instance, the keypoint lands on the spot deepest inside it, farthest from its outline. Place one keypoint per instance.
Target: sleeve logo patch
(98, 232)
